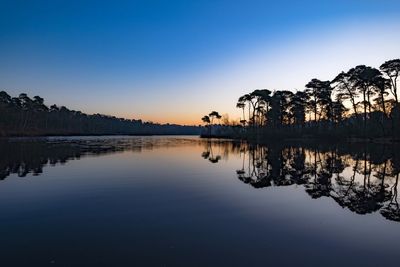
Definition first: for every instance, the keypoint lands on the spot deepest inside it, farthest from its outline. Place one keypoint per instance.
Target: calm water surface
(183, 201)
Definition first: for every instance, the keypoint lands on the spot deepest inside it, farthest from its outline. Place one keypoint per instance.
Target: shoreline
(260, 140)
(350, 140)
(83, 135)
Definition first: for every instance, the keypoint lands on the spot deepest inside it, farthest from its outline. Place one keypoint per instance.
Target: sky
(175, 61)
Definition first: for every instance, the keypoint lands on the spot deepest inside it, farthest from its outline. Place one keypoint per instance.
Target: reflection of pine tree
(298, 171)
(392, 210)
(344, 186)
(208, 154)
(361, 198)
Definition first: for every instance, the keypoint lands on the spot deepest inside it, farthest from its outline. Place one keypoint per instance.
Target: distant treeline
(25, 116)
(362, 102)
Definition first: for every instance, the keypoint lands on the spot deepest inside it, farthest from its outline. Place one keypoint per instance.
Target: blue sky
(173, 61)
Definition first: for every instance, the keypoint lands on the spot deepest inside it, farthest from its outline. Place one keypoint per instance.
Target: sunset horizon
(199, 133)
(125, 60)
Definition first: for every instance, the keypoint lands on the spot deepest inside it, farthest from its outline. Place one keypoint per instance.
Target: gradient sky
(174, 61)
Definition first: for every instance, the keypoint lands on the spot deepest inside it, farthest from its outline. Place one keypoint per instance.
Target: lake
(186, 201)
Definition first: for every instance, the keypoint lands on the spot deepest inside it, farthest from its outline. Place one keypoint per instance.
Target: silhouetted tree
(298, 108)
(214, 115)
(364, 80)
(392, 69)
(206, 119)
(344, 84)
(317, 92)
(242, 105)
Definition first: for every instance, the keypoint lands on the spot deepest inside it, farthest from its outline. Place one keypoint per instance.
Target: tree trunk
(365, 112)
(383, 105)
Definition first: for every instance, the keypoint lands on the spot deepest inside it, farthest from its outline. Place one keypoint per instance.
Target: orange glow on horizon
(180, 119)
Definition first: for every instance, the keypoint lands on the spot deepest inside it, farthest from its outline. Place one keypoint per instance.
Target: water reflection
(361, 178)
(29, 156)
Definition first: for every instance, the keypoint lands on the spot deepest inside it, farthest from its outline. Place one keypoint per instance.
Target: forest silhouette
(25, 116)
(362, 103)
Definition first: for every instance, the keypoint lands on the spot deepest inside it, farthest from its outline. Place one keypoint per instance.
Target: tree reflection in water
(363, 178)
(24, 156)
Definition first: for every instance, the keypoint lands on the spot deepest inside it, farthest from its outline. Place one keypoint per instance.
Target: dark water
(182, 201)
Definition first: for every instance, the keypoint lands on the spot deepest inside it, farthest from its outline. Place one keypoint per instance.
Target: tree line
(362, 102)
(25, 116)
